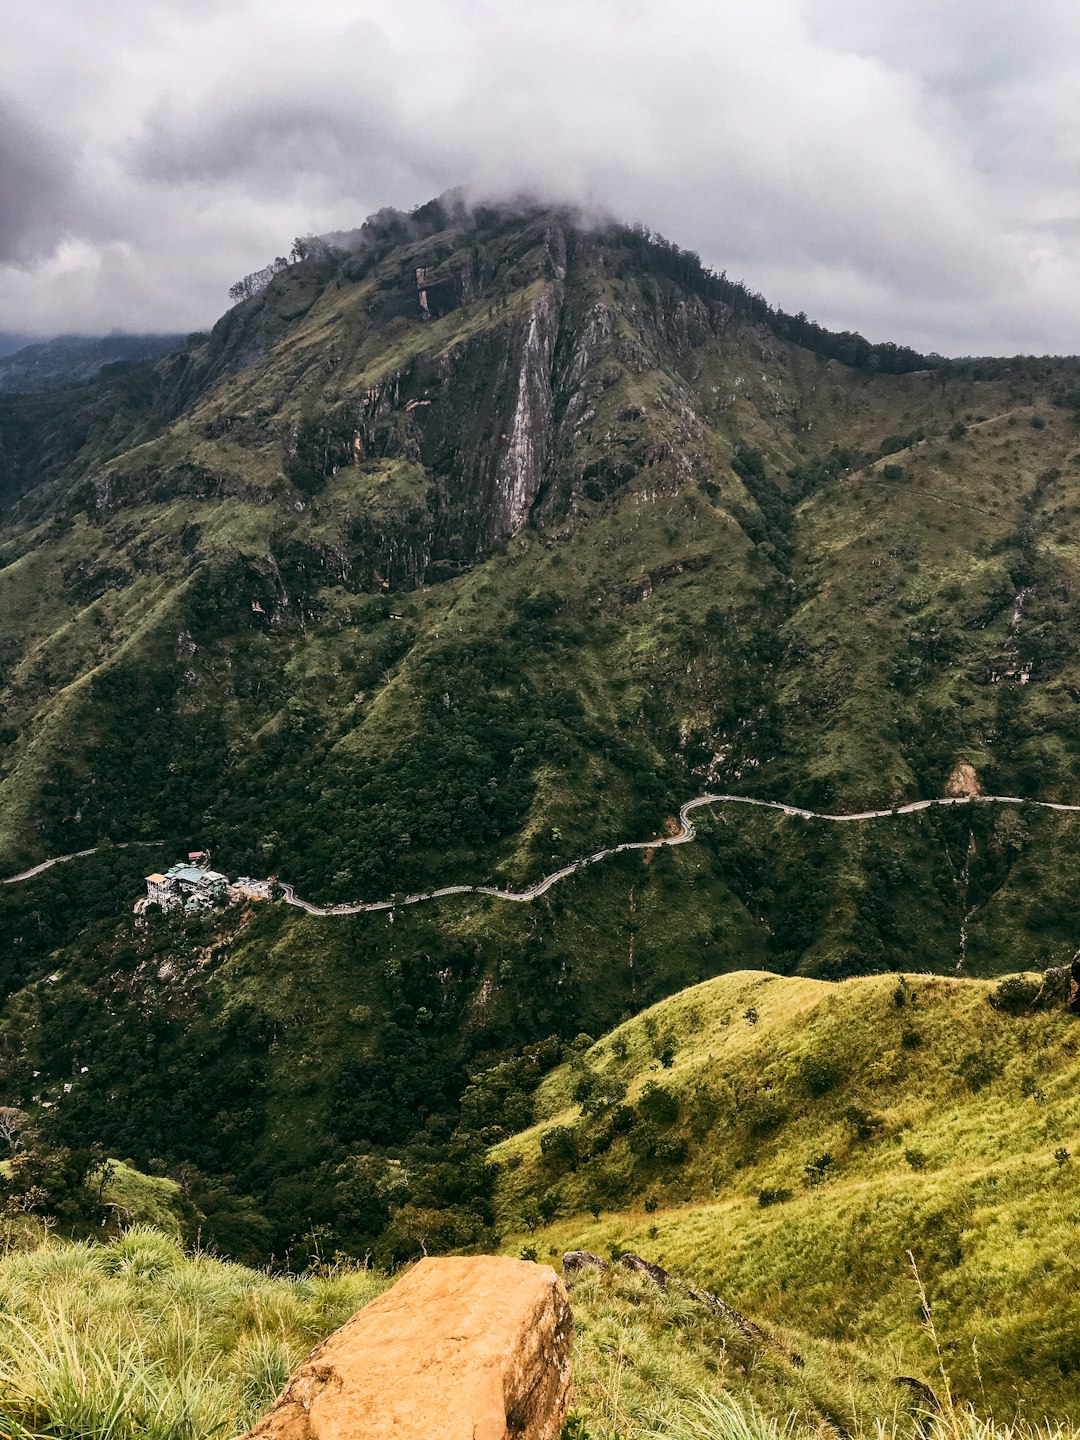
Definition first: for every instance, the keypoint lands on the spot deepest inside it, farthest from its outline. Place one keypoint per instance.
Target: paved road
(75, 855)
(685, 833)
(683, 836)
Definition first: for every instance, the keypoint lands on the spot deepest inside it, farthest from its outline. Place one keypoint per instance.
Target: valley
(432, 582)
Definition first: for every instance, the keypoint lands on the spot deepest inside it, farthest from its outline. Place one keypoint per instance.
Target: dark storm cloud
(35, 190)
(908, 170)
(273, 147)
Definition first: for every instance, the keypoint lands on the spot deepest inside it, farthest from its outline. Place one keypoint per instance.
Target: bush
(763, 1111)
(561, 1143)
(865, 1124)
(816, 1171)
(978, 1069)
(773, 1196)
(1017, 994)
(671, 1151)
(820, 1074)
(658, 1106)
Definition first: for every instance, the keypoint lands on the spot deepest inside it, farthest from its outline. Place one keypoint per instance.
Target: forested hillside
(452, 556)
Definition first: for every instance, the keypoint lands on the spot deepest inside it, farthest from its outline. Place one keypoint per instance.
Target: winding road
(685, 833)
(75, 855)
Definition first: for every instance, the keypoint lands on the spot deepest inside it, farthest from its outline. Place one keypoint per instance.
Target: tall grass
(973, 1176)
(723, 1418)
(650, 1365)
(137, 1341)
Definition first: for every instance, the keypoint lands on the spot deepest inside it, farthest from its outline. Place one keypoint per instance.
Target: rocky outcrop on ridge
(463, 1348)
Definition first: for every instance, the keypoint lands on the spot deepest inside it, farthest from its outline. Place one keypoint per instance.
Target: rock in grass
(463, 1348)
(575, 1261)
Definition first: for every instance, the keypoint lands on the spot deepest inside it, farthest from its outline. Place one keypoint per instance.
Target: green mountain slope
(454, 558)
(786, 1143)
(511, 503)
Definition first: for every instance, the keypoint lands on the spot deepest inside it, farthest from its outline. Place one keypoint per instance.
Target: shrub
(643, 1141)
(917, 1159)
(865, 1124)
(671, 1151)
(978, 1069)
(597, 1093)
(764, 1110)
(816, 1171)
(561, 1142)
(1016, 994)
(778, 1195)
(658, 1106)
(820, 1074)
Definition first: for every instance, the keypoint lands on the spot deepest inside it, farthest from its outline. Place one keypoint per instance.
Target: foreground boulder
(461, 1348)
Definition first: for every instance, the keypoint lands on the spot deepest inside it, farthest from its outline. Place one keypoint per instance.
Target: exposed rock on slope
(464, 1348)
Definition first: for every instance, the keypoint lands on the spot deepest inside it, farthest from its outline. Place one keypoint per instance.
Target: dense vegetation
(452, 557)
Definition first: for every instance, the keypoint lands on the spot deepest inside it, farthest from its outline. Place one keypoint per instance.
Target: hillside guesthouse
(192, 886)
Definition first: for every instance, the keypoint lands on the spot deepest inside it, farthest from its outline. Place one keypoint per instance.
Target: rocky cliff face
(493, 364)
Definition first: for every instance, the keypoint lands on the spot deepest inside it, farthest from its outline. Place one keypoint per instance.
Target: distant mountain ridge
(41, 364)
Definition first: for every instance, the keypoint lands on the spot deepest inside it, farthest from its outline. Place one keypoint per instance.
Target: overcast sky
(910, 170)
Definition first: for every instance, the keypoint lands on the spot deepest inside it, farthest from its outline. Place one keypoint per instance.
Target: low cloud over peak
(909, 172)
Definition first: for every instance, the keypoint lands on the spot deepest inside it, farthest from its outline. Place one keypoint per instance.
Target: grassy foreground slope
(786, 1142)
(136, 1340)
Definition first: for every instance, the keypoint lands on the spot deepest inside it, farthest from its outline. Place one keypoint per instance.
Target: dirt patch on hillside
(963, 780)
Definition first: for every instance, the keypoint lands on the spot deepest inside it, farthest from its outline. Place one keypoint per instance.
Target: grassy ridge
(790, 1141)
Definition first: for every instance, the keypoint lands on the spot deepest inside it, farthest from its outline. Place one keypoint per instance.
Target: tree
(14, 1125)
(561, 1142)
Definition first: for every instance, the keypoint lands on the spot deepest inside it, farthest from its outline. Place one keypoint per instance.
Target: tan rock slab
(461, 1348)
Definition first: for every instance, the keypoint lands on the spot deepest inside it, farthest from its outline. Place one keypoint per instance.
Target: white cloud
(909, 170)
